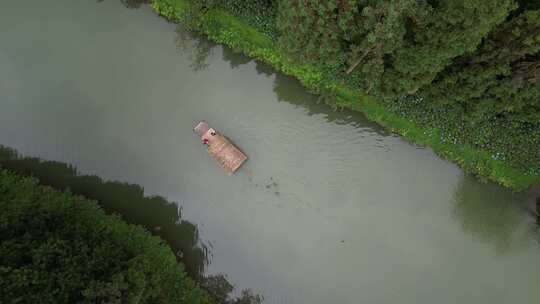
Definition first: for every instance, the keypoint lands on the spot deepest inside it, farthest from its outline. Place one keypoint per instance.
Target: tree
(378, 32)
(452, 29)
(394, 46)
(60, 248)
(502, 77)
(313, 31)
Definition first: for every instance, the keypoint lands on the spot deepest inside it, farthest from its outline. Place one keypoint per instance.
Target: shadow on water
(131, 3)
(159, 216)
(198, 48)
(287, 89)
(492, 213)
(234, 59)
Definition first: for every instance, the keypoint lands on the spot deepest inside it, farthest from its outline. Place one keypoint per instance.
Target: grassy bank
(222, 27)
(60, 248)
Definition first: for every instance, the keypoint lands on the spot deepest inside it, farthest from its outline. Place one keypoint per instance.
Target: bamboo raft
(227, 155)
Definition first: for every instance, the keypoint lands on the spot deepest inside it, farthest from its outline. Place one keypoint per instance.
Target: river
(329, 208)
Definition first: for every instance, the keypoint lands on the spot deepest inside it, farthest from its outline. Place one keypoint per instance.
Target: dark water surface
(329, 207)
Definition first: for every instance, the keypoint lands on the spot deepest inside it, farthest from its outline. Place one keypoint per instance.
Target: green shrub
(59, 248)
(261, 14)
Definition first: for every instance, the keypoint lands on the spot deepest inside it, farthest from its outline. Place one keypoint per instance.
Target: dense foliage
(479, 55)
(490, 98)
(396, 46)
(471, 67)
(59, 248)
(501, 76)
(260, 14)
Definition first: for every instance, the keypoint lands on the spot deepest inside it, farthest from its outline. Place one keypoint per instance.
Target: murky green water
(329, 207)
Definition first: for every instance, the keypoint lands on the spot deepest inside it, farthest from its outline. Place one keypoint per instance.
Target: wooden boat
(227, 155)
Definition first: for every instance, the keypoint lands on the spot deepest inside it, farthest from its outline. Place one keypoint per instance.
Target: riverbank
(222, 27)
(174, 235)
(59, 247)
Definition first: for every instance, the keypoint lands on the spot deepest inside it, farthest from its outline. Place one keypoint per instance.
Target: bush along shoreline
(503, 151)
(61, 248)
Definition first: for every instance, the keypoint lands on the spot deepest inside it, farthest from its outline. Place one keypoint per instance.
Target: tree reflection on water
(498, 219)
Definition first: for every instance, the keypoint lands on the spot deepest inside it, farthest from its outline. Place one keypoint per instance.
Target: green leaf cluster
(59, 248)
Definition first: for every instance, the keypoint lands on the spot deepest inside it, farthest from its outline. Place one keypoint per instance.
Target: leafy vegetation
(115, 197)
(261, 14)
(59, 248)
